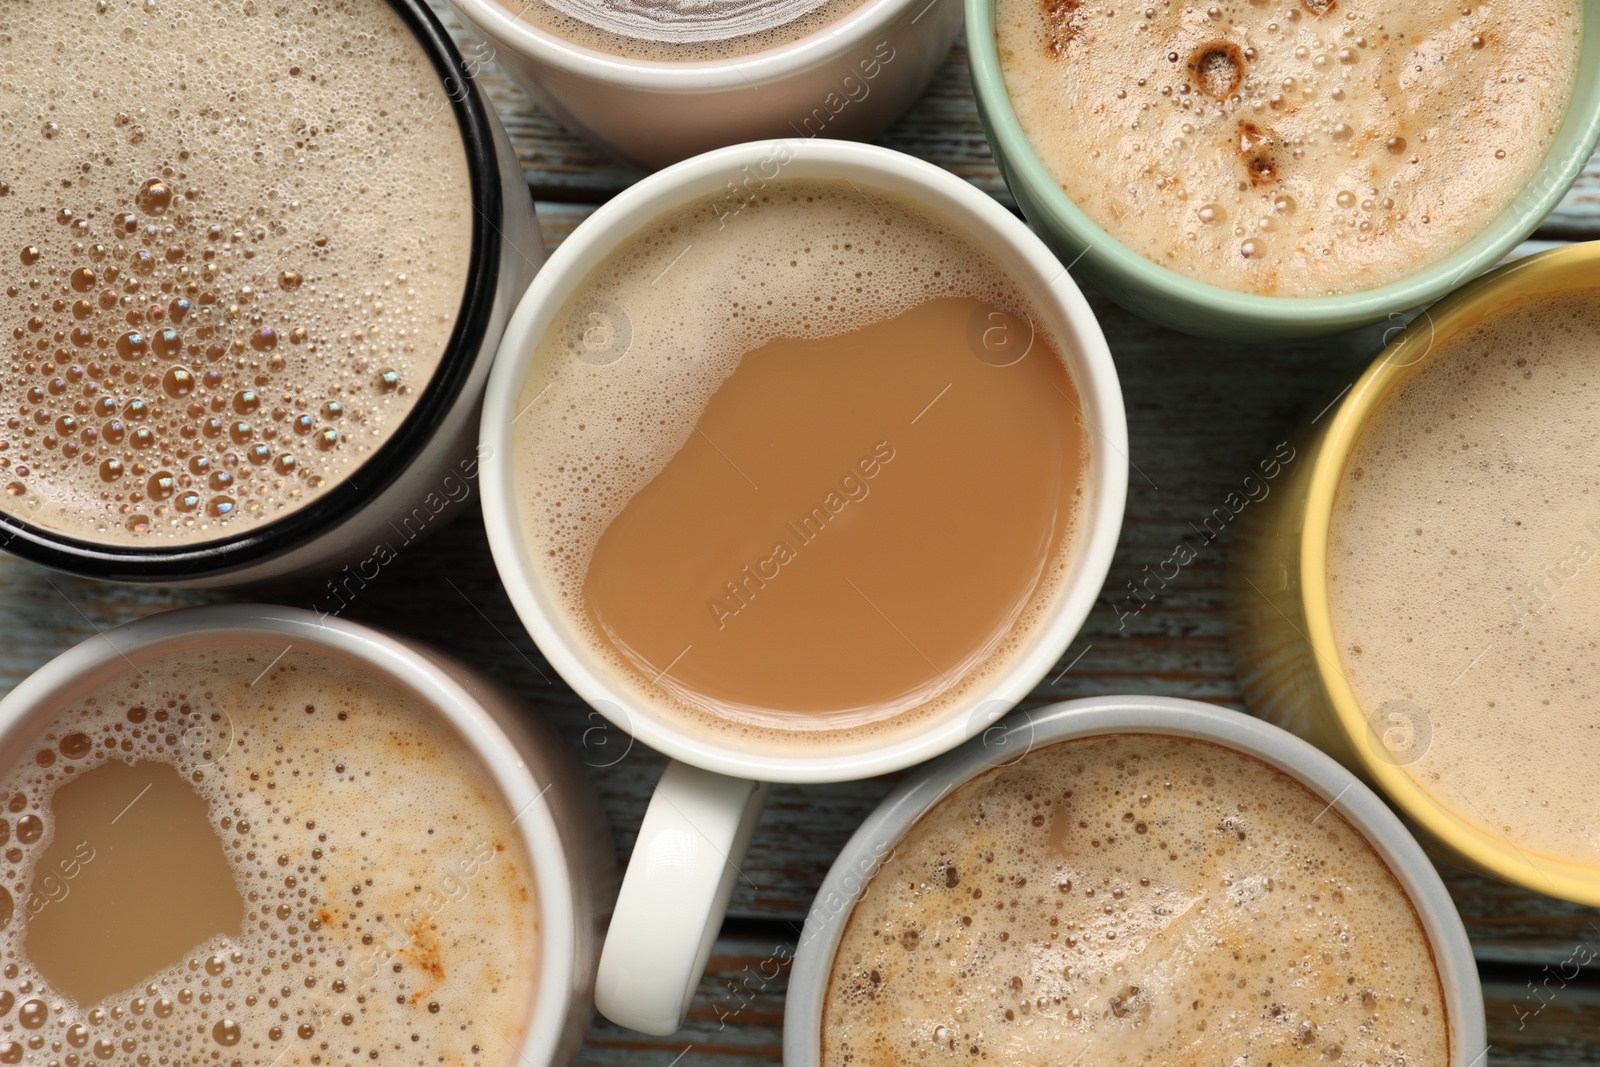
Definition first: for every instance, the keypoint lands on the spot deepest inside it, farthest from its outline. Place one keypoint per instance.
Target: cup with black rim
(428, 463)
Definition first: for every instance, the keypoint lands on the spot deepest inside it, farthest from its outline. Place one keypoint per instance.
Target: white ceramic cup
(1011, 740)
(561, 826)
(849, 79)
(706, 804)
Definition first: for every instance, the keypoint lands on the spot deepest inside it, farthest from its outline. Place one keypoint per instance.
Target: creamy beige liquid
(801, 508)
(681, 31)
(233, 245)
(253, 858)
(1463, 574)
(1134, 900)
(1291, 147)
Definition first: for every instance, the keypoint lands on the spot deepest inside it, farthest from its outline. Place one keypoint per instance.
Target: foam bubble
(1396, 131)
(1147, 899)
(389, 910)
(694, 293)
(1463, 573)
(213, 310)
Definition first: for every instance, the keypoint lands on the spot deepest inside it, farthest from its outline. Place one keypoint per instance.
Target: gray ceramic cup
(1015, 736)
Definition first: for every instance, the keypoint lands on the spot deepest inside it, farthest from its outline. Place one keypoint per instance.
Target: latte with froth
(1463, 580)
(234, 241)
(1290, 147)
(257, 855)
(804, 469)
(1134, 899)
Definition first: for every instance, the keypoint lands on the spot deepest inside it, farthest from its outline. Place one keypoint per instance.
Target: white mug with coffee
(805, 481)
(252, 311)
(1135, 878)
(657, 82)
(254, 832)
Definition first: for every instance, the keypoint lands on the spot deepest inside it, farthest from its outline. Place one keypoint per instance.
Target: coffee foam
(390, 915)
(214, 314)
(1462, 575)
(1145, 899)
(1267, 148)
(683, 31)
(810, 259)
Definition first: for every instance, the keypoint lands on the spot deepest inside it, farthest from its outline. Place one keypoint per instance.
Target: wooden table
(1200, 415)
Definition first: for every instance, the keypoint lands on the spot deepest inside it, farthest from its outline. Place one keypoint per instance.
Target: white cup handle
(674, 896)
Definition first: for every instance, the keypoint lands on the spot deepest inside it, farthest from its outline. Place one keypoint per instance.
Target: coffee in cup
(1460, 574)
(680, 30)
(269, 854)
(802, 470)
(211, 324)
(1136, 897)
(1291, 149)
(778, 407)
(250, 290)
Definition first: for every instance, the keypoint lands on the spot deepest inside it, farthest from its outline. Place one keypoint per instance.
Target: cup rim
(877, 169)
(710, 76)
(858, 862)
(277, 537)
(72, 674)
(1545, 273)
(1275, 315)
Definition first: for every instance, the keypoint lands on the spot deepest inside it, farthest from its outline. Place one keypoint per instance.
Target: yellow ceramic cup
(1280, 622)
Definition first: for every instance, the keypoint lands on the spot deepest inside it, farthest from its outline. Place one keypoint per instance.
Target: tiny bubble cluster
(1146, 899)
(209, 315)
(389, 906)
(1192, 134)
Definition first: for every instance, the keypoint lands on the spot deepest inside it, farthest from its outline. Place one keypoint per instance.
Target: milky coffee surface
(1291, 147)
(1463, 575)
(1134, 900)
(387, 902)
(233, 244)
(750, 338)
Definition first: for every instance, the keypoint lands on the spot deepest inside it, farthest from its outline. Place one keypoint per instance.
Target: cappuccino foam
(681, 31)
(387, 899)
(1463, 577)
(818, 338)
(1291, 148)
(234, 241)
(1127, 900)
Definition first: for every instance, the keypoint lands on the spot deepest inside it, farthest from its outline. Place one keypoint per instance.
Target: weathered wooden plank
(1558, 1024)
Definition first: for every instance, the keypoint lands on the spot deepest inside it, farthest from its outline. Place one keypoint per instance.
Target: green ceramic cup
(1194, 307)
